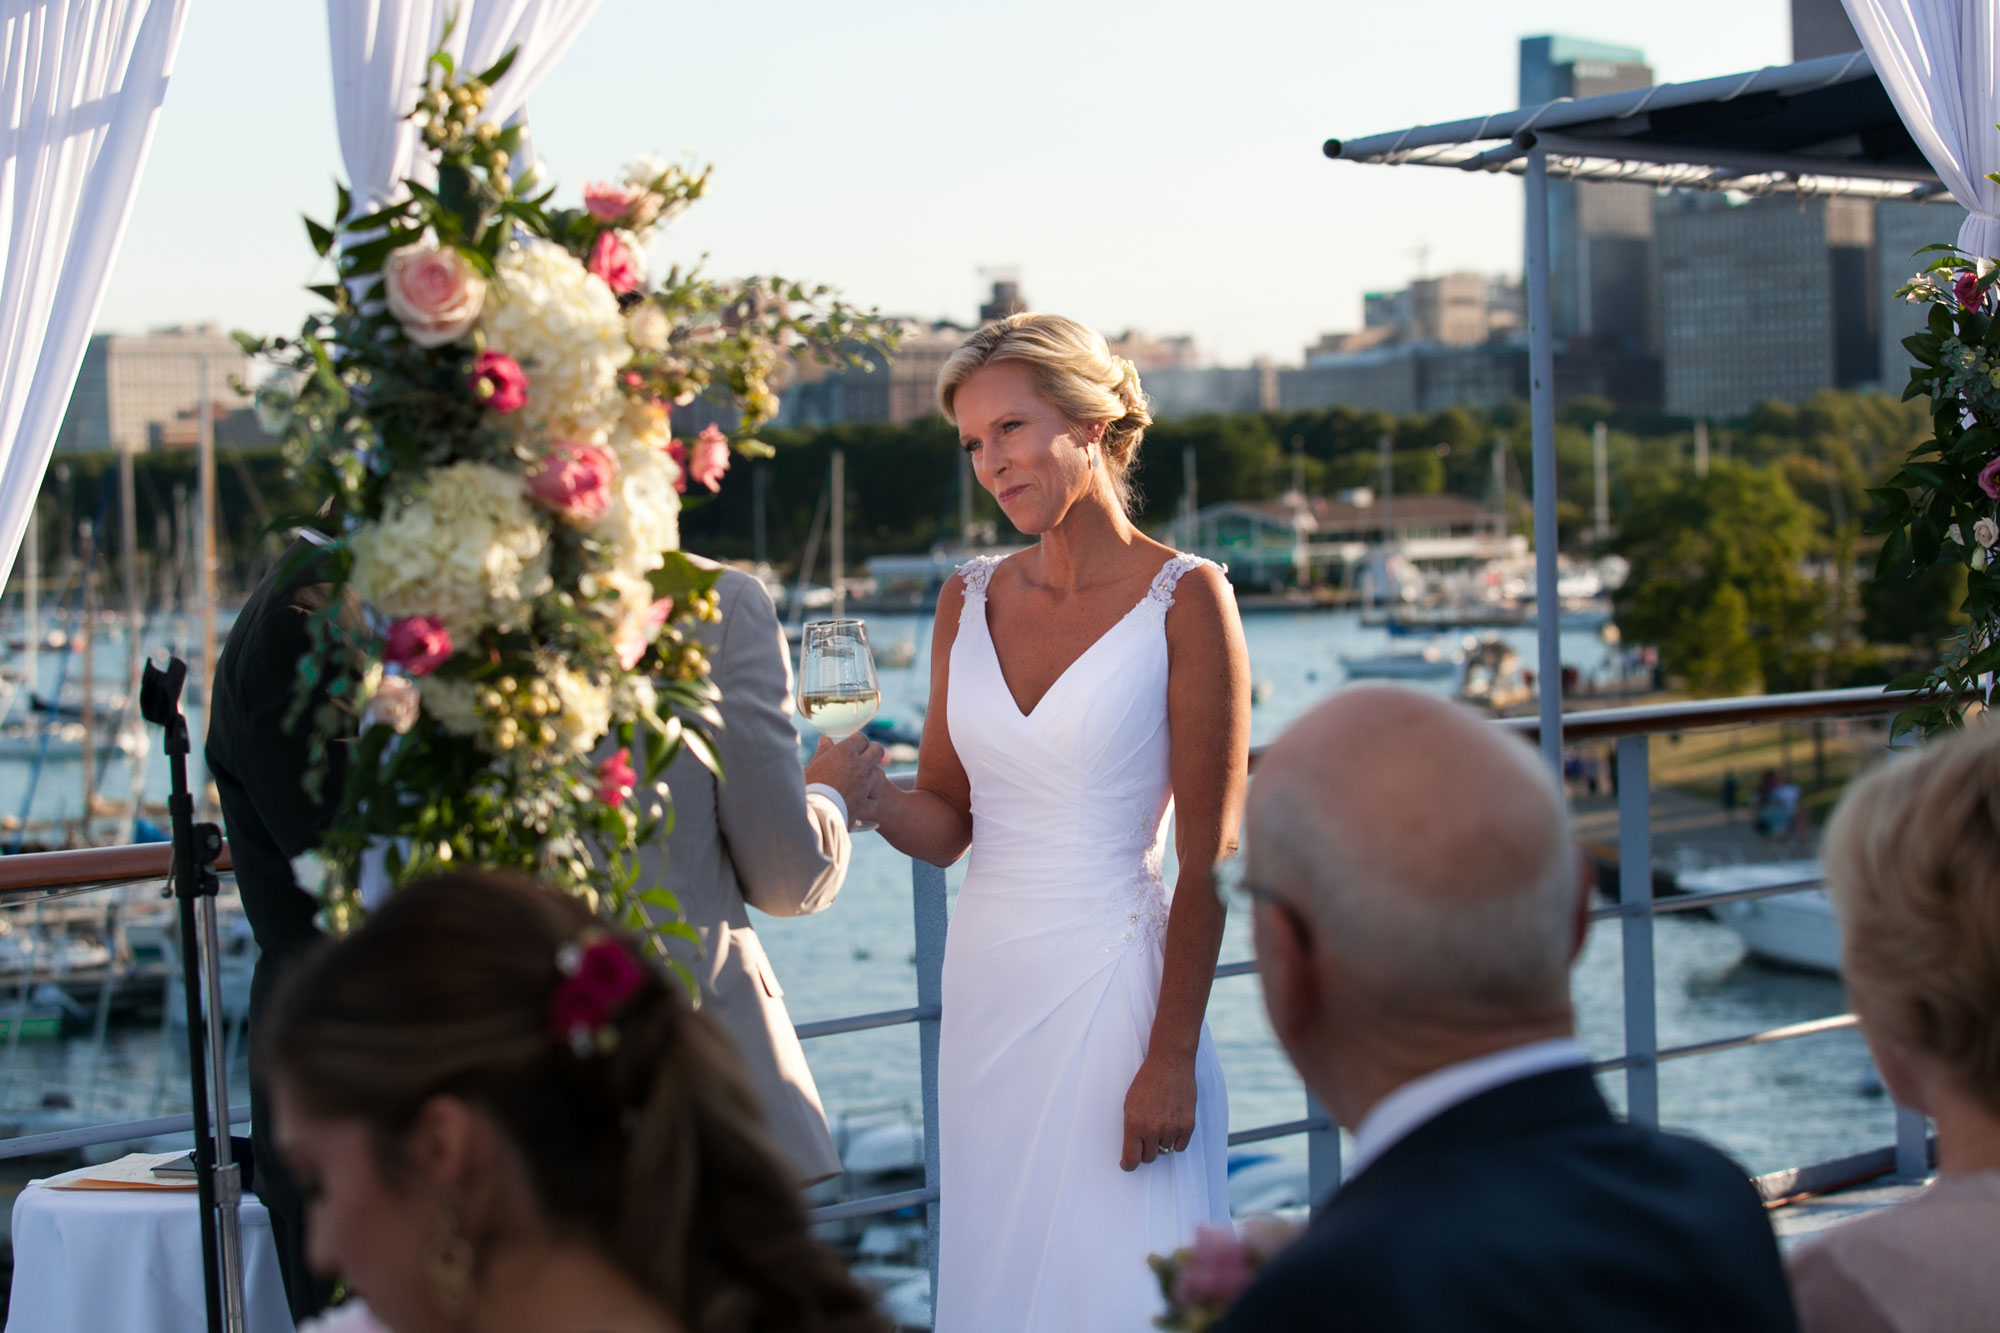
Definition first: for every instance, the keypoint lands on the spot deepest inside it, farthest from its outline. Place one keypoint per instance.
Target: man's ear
(1586, 887)
(1285, 970)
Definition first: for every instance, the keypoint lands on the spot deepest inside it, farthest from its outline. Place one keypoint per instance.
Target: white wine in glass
(838, 690)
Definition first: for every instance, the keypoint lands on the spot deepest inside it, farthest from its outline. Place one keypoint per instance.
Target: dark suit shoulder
(1581, 1223)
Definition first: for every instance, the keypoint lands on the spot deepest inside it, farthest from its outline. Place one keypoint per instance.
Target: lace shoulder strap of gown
(976, 572)
(1161, 594)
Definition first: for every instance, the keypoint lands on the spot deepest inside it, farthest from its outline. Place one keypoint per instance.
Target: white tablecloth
(129, 1261)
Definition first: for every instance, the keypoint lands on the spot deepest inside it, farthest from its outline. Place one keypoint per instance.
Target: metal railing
(37, 877)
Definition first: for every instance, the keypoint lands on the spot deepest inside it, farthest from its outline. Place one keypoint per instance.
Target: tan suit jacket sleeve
(790, 850)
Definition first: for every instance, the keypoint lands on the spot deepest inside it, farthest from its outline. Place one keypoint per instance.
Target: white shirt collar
(1422, 1100)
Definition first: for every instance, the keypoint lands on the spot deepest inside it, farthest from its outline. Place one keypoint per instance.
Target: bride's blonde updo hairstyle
(1075, 371)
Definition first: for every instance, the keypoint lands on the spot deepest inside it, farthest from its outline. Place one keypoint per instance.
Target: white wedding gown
(1051, 977)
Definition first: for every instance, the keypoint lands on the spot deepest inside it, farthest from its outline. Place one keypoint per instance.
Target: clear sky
(1153, 165)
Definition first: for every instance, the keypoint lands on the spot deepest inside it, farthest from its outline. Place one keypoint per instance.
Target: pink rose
(1989, 479)
(709, 458)
(612, 260)
(1216, 1271)
(574, 480)
(418, 644)
(610, 203)
(638, 634)
(615, 778)
(1966, 288)
(499, 381)
(434, 294)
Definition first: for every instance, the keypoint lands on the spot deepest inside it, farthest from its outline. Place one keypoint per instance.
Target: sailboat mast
(205, 438)
(32, 663)
(839, 552)
(89, 630)
(128, 550)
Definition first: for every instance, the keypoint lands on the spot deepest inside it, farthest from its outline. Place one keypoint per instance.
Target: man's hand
(852, 767)
(1159, 1110)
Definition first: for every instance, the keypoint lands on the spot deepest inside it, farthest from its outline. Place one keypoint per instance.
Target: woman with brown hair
(503, 1119)
(1913, 868)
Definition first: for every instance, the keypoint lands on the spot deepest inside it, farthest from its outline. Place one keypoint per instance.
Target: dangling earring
(1093, 458)
(1090, 450)
(450, 1264)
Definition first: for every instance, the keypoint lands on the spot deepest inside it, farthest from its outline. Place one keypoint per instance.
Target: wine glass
(838, 691)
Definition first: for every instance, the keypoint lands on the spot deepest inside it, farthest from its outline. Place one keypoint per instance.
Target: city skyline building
(1764, 298)
(1821, 28)
(1601, 261)
(130, 384)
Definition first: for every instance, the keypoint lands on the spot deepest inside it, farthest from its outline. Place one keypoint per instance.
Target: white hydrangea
(586, 708)
(453, 703)
(467, 548)
(632, 696)
(644, 518)
(563, 325)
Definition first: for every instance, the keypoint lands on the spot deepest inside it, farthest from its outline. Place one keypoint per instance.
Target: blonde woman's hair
(1075, 371)
(1913, 867)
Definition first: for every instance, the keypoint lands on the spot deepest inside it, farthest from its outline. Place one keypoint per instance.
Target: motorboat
(1792, 929)
(1494, 677)
(1435, 660)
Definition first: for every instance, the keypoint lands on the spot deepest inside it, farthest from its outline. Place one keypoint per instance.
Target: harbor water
(1770, 1107)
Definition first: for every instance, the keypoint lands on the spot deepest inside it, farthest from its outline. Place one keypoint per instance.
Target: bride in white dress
(1081, 690)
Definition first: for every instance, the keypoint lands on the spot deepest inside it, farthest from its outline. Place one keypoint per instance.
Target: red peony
(604, 977)
(575, 481)
(499, 381)
(615, 778)
(418, 644)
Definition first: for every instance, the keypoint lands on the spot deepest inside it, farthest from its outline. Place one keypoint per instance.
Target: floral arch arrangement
(485, 402)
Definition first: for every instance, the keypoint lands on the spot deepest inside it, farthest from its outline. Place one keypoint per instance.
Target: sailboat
(1387, 577)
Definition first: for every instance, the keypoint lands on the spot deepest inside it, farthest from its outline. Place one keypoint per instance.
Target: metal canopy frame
(1818, 127)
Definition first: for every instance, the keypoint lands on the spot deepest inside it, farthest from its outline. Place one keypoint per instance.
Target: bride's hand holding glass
(838, 694)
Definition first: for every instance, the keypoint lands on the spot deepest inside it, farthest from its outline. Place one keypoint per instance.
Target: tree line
(1753, 575)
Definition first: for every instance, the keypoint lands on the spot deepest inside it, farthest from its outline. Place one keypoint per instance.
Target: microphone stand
(219, 1187)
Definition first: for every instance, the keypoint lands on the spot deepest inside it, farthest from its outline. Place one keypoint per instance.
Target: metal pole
(927, 904)
(1701, 448)
(1542, 413)
(228, 1183)
(1322, 1154)
(1913, 1148)
(838, 489)
(1635, 896)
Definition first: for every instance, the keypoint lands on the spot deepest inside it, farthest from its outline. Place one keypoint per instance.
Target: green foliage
(1938, 509)
(1717, 578)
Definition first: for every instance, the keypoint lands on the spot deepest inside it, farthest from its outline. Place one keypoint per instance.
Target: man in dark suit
(258, 765)
(1418, 906)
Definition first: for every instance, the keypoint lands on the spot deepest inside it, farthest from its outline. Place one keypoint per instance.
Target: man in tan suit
(769, 835)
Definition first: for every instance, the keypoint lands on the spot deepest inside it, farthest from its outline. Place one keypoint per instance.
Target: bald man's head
(1429, 851)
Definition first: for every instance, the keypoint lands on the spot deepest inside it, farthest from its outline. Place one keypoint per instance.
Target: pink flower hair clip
(599, 975)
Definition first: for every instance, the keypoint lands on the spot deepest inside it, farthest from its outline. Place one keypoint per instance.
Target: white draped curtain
(1939, 60)
(81, 82)
(379, 50)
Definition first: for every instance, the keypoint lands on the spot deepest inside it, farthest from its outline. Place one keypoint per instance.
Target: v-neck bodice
(1079, 783)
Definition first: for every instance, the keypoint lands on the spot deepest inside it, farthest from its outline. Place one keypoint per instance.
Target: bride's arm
(1208, 721)
(933, 821)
